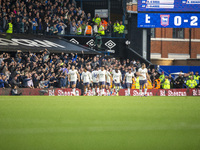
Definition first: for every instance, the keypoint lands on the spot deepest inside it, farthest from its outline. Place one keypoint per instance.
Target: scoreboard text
(168, 20)
(169, 5)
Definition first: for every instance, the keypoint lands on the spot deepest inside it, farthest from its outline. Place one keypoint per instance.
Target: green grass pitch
(99, 123)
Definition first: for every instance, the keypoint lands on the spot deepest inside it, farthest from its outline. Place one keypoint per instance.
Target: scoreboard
(169, 5)
(168, 20)
(169, 13)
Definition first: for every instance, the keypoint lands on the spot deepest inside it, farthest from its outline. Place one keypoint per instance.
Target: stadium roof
(32, 43)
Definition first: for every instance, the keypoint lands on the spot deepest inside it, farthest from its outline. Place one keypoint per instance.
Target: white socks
(129, 91)
(140, 91)
(102, 92)
(145, 91)
(108, 93)
(93, 91)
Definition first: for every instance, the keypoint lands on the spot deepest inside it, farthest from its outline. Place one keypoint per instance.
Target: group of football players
(100, 79)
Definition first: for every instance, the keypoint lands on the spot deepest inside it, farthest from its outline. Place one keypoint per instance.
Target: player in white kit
(85, 77)
(113, 71)
(143, 75)
(108, 81)
(102, 79)
(90, 78)
(95, 80)
(117, 78)
(73, 75)
(129, 80)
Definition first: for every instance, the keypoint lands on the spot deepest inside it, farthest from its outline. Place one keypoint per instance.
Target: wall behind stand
(116, 44)
(136, 36)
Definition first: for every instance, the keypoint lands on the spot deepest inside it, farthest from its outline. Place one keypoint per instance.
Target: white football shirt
(117, 77)
(94, 76)
(129, 77)
(102, 76)
(85, 77)
(143, 72)
(108, 76)
(73, 75)
(113, 71)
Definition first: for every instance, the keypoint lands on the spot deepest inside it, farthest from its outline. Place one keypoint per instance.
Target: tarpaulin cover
(33, 43)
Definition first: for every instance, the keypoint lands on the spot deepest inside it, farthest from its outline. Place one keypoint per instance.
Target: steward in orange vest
(88, 30)
(156, 84)
(104, 23)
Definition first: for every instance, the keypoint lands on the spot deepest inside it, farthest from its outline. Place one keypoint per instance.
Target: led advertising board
(169, 20)
(169, 5)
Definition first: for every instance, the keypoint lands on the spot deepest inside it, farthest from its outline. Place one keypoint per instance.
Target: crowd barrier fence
(122, 92)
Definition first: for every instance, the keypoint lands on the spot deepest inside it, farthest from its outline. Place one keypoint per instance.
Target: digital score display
(169, 5)
(168, 20)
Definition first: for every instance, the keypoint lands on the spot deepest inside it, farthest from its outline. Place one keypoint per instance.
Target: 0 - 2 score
(169, 20)
(193, 20)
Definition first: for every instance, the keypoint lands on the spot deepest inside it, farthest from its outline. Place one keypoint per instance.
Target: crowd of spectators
(45, 70)
(53, 17)
(182, 80)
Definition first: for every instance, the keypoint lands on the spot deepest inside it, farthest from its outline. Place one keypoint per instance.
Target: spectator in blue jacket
(59, 27)
(1, 82)
(34, 26)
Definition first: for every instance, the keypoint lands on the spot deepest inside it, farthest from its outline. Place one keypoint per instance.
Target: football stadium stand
(52, 17)
(34, 55)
